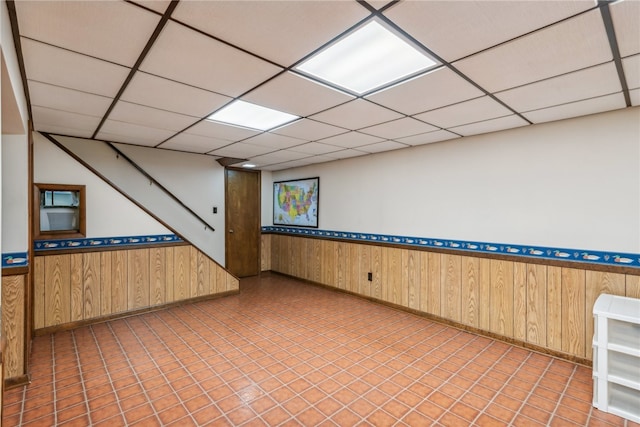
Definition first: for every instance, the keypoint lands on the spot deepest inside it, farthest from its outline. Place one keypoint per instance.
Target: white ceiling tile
(382, 146)
(313, 148)
(579, 108)
(594, 81)
(356, 114)
(476, 110)
(453, 29)
(309, 130)
(267, 27)
(288, 165)
(351, 140)
(128, 133)
(319, 159)
(277, 157)
(571, 45)
(95, 28)
(346, 154)
(399, 128)
(159, 6)
(429, 91)
(296, 95)
(273, 167)
(150, 117)
(60, 67)
(635, 97)
(626, 23)
(189, 57)
(194, 143)
(63, 130)
(220, 131)
(60, 98)
(428, 138)
(50, 120)
(273, 141)
(492, 125)
(631, 66)
(242, 150)
(153, 91)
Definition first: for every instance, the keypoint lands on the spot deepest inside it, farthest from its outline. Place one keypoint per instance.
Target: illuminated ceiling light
(249, 165)
(366, 59)
(245, 114)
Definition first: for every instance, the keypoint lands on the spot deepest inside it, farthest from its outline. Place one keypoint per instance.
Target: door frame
(227, 213)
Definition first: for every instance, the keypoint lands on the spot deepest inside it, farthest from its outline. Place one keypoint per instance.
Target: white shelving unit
(616, 356)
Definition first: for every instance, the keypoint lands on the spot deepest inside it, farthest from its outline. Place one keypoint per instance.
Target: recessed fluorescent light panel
(245, 114)
(366, 59)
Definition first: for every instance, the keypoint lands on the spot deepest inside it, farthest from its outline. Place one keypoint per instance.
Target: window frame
(38, 234)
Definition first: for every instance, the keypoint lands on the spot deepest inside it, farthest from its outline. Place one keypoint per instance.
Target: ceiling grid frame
(383, 129)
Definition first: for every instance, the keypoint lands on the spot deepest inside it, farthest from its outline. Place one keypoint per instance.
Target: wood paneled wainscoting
(545, 307)
(78, 288)
(14, 334)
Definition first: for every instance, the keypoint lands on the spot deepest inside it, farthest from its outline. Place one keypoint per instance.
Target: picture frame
(296, 202)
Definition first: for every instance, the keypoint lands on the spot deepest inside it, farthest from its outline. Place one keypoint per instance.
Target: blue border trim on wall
(15, 259)
(106, 242)
(525, 251)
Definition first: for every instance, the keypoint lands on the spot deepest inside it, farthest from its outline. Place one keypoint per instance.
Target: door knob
(230, 231)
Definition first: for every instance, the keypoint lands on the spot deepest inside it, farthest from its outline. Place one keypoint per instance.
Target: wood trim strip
(605, 12)
(96, 320)
(503, 257)
(16, 271)
(15, 32)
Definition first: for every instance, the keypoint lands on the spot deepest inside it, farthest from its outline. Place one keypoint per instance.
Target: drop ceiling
(150, 72)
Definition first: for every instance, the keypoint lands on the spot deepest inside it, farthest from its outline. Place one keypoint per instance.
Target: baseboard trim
(96, 320)
(14, 382)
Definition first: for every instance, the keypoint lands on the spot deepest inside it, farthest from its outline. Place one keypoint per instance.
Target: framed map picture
(295, 202)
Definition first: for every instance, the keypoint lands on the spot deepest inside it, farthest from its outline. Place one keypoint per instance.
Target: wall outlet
(370, 277)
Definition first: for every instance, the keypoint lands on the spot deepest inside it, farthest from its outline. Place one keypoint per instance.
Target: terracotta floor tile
(500, 412)
(328, 406)
(268, 357)
(172, 414)
(345, 417)
(430, 409)
(241, 415)
(344, 396)
(37, 413)
(71, 413)
(276, 416)
(138, 413)
(381, 419)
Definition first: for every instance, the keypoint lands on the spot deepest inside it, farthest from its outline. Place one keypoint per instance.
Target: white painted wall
(573, 183)
(15, 193)
(197, 180)
(14, 169)
(138, 187)
(108, 213)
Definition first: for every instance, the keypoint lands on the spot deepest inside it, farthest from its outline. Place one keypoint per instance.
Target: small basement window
(59, 211)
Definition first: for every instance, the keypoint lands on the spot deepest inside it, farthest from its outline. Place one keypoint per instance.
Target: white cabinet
(616, 356)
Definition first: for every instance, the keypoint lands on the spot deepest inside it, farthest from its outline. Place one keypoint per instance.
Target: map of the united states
(296, 203)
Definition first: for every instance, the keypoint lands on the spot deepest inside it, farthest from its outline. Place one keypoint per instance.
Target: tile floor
(285, 353)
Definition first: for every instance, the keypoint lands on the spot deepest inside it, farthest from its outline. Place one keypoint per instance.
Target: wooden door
(242, 217)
